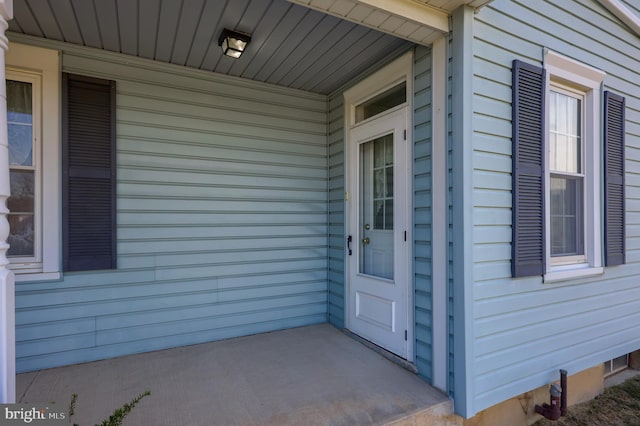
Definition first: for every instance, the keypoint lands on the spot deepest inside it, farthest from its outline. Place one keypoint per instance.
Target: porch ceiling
(312, 45)
(292, 45)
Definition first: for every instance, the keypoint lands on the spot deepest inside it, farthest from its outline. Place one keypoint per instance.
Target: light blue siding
(337, 253)
(221, 218)
(525, 330)
(461, 217)
(422, 214)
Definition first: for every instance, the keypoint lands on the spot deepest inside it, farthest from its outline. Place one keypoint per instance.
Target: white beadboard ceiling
(316, 45)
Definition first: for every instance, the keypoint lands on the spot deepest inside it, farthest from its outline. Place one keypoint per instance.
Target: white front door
(378, 222)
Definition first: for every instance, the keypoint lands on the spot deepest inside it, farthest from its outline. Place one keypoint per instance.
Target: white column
(7, 283)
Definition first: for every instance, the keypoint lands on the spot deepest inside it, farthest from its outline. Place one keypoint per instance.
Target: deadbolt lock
(367, 227)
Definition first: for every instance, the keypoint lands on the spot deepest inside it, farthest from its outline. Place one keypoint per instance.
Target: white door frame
(398, 71)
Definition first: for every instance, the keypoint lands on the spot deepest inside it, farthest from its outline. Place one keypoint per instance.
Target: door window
(376, 207)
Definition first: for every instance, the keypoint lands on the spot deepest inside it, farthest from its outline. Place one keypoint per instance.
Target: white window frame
(33, 263)
(43, 66)
(567, 74)
(608, 365)
(581, 96)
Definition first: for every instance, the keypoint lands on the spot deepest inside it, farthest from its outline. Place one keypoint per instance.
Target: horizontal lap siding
(525, 330)
(221, 219)
(422, 214)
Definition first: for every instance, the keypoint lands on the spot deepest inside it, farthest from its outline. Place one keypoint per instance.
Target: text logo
(31, 414)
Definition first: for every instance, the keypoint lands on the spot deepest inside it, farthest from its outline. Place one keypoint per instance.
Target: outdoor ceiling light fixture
(233, 43)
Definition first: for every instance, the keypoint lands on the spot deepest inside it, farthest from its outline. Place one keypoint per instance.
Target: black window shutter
(89, 184)
(614, 130)
(528, 227)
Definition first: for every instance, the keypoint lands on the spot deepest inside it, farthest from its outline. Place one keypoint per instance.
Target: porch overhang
(311, 45)
(419, 21)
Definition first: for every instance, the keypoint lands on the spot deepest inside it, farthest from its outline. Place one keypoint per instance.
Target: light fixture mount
(233, 43)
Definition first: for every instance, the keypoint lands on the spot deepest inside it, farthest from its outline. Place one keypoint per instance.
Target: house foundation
(582, 387)
(634, 360)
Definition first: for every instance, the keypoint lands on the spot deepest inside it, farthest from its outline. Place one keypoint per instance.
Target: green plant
(118, 415)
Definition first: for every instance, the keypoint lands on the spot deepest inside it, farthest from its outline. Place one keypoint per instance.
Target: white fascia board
(419, 13)
(477, 4)
(623, 13)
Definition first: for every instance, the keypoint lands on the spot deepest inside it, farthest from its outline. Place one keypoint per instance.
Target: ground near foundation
(618, 405)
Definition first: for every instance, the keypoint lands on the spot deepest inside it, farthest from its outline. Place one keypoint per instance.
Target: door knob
(365, 241)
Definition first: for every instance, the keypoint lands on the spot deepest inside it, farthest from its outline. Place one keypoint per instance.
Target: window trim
(392, 75)
(567, 73)
(46, 63)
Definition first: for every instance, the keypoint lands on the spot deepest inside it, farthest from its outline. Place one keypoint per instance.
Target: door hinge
(405, 235)
(405, 134)
(405, 335)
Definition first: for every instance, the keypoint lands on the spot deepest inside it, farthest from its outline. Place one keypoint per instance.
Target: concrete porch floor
(312, 375)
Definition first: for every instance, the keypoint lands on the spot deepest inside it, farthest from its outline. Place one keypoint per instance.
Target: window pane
(22, 191)
(19, 108)
(20, 123)
(383, 182)
(21, 238)
(20, 144)
(378, 209)
(566, 216)
(388, 149)
(620, 362)
(561, 111)
(389, 179)
(21, 216)
(388, 214)
(565, 133)
(378, 152)
(378, 183)
(553, 102)
(384, 101)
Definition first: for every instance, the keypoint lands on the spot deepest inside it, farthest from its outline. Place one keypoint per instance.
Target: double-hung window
(25, 206)
(33, 121)
(572, 147)
(566, 176)
(558, 156)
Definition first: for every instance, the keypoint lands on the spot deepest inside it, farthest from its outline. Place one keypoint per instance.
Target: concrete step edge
(440, 414)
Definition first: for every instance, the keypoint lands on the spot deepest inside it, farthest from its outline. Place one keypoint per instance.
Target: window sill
(41, 276)
(569, 272)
